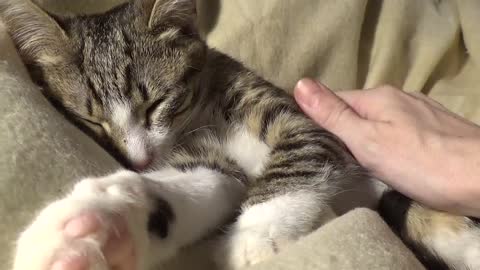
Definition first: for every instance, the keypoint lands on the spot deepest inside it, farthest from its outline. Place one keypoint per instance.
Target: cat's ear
(37, 34)
(168, 12)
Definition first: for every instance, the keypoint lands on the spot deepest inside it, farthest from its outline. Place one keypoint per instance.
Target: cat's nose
(142, 165)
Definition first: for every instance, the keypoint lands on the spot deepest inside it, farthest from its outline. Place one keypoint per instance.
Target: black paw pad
(160, 219)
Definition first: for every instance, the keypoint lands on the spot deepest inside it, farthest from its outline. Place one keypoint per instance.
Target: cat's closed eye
(185, 103)
(151, 110)
(98, 128)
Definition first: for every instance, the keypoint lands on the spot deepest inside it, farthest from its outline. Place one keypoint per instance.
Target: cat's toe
(245, 248)
(88, 250)
(97, 227)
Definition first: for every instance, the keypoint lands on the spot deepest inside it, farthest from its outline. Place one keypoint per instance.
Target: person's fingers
(428, 100)
(329, 111)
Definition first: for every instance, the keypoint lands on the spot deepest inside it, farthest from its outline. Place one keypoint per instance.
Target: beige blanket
(431, 46)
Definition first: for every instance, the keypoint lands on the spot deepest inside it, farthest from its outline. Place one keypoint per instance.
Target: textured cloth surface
(431, 46)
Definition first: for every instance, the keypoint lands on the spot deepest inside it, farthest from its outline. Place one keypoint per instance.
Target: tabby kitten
(213, 141)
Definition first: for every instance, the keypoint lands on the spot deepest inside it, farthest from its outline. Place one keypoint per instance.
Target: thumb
(328, 110)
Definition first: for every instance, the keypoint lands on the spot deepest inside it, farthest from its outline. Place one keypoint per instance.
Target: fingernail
(81, 225)
(306, 92)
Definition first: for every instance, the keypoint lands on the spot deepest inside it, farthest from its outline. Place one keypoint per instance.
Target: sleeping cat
(208, 142)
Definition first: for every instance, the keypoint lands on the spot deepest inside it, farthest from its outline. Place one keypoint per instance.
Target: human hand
(409, 141)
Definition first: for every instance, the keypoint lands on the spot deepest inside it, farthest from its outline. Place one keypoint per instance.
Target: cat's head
(126, 75)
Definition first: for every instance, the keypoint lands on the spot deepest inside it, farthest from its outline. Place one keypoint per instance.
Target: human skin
(409, 141)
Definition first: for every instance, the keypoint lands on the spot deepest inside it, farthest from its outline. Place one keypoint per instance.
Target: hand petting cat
(410, 141)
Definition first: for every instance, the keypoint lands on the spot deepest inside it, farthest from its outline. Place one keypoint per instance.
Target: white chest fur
(247, 150)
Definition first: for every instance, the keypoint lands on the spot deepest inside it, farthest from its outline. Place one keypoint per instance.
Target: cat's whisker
(198, 129)
(192, 67)
(184, 136)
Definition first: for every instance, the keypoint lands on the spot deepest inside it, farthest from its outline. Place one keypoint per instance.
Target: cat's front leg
(127, 220)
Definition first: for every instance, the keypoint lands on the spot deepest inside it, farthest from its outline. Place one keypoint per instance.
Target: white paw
(245, 247)
(264, 229)
(97, 227)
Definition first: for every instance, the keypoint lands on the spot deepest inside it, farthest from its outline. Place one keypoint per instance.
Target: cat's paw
(97, 227)
(244, 247)
(265, 229)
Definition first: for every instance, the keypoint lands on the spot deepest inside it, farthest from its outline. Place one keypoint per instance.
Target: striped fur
(142, 83)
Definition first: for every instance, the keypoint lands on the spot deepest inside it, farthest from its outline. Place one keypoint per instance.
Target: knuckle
(388, 91)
